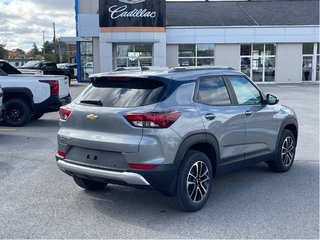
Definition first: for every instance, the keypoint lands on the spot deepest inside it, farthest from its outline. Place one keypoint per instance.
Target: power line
(21, 26)
(16, 24)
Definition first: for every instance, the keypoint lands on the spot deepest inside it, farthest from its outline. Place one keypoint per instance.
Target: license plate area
(97, 158)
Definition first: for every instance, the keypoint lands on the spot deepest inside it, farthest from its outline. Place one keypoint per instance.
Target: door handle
(248, 113)
(210, 116)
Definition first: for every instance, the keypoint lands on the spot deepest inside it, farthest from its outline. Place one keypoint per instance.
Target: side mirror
(272, 100)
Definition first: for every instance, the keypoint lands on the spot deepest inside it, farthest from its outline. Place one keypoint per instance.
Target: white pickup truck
(27, 96)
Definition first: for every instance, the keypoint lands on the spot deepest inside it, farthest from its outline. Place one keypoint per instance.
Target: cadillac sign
(132, 13)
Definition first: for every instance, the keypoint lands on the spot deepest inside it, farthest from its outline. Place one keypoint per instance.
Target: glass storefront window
(307, 48)
(257, 69)
(307, 68)
(205, 50)
(145, 62)
(122, 62)
(132, 55)
(205, 62)
(86, 58)
(258, 49)
(270, 49)
(318, 67)
(144, 50)
(196, 55)
(310, 64)
(186, 62)
(270, 69)
(187, 50)
(258, 61)
(246, 50)
(246, 66)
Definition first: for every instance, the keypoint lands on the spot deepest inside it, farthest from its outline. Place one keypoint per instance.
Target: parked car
(88, 69)
(31, 71)
(71, 67)
(28, 96)
(174, 130)
(48, 68)
(1, 103)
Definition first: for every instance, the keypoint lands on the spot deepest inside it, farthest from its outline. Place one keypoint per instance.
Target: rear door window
(124, 92)
(213, 91)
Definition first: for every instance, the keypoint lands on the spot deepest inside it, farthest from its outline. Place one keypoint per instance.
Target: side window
(213, 91)
(245, 92)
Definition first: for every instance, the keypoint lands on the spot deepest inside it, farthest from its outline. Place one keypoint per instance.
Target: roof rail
(141, 68)
(186, 69)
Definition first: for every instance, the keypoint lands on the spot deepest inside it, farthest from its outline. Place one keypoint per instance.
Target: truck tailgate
(63, 84)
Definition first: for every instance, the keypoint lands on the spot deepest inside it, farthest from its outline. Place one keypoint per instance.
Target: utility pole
(44, 51)
(54, 40)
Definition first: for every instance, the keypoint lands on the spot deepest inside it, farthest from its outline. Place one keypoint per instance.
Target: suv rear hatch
(98, 118)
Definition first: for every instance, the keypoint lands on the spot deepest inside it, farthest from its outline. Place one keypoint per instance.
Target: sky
(22, 22)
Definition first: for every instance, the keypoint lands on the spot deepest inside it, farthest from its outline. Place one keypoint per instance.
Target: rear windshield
(124, 93)
(8, 69)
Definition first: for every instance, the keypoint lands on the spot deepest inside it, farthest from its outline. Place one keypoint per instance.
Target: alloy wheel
(15, 113)
(198, 181)
(287, 151)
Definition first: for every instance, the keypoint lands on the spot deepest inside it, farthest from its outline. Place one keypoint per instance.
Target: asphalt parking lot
(39, 201)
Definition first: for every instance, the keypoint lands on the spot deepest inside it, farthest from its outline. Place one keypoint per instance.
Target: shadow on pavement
(252, 193)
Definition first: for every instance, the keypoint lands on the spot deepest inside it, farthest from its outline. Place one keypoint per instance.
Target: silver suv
(173, 130)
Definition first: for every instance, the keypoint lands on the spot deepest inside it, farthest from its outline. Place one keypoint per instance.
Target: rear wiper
(93, 102)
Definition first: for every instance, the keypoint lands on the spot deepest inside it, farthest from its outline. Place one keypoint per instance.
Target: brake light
(54, 86)
(152, 119)
(61, 154)
(142, 166)
(64, 113)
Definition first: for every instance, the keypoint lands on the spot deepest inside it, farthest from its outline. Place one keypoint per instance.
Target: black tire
(193, 196)
(37, 116)
(285, 152)
(17, 112)
(88, 184)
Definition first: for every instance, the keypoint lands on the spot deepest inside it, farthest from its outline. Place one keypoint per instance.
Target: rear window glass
(126, 93)
(8, 69)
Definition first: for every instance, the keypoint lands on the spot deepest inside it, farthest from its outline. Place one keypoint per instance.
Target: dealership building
(270, 41)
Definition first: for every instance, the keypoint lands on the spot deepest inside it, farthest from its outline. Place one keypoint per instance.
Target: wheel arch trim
(287, 122)
(193, 140)
(19, 91)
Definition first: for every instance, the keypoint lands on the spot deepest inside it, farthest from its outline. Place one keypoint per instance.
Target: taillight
(61, 154)
(54, 86)
(64, 113)
(152, 119)
(142, 166)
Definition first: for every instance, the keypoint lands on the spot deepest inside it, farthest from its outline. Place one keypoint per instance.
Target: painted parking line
(8, 129)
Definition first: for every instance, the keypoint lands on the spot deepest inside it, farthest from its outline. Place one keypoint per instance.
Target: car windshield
(31, 64)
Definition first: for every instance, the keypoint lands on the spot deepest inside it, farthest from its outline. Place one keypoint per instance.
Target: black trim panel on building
(132, 13)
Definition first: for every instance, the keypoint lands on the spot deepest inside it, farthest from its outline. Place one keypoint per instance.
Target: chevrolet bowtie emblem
(92, 117)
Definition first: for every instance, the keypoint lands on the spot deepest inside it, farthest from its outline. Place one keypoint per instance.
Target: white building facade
(281, 46)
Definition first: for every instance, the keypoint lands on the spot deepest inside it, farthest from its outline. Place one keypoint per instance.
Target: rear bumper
(127, 177)
(52, 104)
